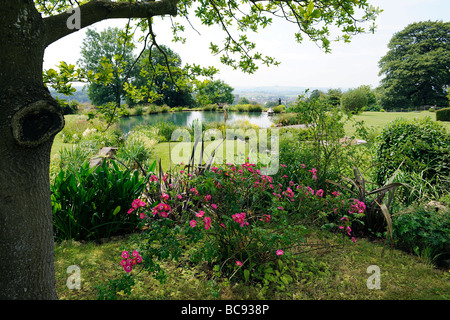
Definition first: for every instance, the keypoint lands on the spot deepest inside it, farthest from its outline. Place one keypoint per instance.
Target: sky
(349, 65)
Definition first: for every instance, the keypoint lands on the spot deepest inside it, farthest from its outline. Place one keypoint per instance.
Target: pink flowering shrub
(235, 217)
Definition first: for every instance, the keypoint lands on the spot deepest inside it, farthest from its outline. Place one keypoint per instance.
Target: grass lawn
(378, 120)
(332, 274)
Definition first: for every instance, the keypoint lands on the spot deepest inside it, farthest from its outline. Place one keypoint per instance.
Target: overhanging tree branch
(99, 10)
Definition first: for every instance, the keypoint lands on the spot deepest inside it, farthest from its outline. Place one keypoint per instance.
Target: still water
(187, 117)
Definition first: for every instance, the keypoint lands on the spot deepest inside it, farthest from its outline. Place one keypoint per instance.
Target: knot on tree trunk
(37, 123)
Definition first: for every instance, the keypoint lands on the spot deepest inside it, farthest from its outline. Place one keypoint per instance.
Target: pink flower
(163, 214)
(125, 254)
(200, 213)
(137, 203)
(193, 223)
(130, 211)
(353, 239)
(135, 253)
(207, 197)
(179, 196)
(239, 263)
(142, 215)
(357, 206)
(335, 193)
(182, 171)
(128, 268)
(279, 252)
(303, 165)
(214, 206)
(319, 193)
(280, 208)
(207, 223)
(123, 263)
(240, 218)
(165, 196)
(266, 217)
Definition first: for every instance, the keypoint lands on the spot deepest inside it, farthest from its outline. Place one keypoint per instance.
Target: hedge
(443, 114)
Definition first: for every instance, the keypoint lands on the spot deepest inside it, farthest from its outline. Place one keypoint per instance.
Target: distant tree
(371, 98)
(333, 97)
(211, 92)
(160, 79)
(316, 94)
(106, 52)
(243, 100)
(417, 66)
(354, 100)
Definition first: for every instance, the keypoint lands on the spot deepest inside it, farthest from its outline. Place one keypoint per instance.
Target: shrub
(287, 119)
(136, 151)
(92, 203)
(165, 130)
(255, 108)
(234, 218)
(71, 159)
(354, 100)
(424, 232)
(210, 107)
(279, 109)
(422, 145)
(443, 114)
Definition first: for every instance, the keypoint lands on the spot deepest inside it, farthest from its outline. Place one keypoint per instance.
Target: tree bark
(29, 120)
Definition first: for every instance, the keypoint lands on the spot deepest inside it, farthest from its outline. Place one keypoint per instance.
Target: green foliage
(114, 286)
(161, 80)
(165, 130)
(286, 119)
(324, 149)
(135, 152)
(238, 51)
(354, 100)
(419, 230)
(72, 159)
(279, 109)
(210, 107)
(443, 114)
(214, 92)
(422, 145)
(239, 220)
(416, 67)
(108, 58)
(92, 203)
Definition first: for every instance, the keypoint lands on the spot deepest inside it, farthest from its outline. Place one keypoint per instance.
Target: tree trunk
(29, 120)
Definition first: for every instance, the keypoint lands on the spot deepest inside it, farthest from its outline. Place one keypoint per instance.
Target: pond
(185, 118)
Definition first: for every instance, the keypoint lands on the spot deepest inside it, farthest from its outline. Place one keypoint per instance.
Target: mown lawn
(329, 274)
(378, 120)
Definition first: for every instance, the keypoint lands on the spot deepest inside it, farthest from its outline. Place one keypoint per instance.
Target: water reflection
(186, 118)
